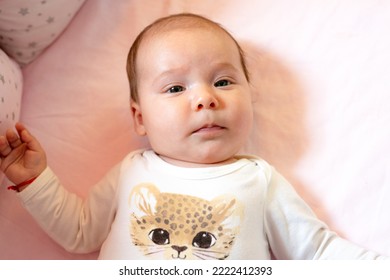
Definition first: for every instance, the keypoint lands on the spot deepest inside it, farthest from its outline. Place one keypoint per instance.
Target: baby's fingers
(13, 139)
(10, 141)
(5, 149)
(28, 138)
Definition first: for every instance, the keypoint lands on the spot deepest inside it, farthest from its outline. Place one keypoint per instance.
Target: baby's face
(194, 99)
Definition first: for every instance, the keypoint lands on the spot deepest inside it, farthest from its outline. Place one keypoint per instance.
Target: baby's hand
(21, 155)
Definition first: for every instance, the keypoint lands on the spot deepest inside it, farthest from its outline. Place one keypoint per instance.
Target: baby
(192, 196)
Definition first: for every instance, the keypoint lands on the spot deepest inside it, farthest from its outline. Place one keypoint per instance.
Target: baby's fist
(21, 155)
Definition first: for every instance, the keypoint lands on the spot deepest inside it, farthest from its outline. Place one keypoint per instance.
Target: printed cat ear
(143, 199)
(228, 211)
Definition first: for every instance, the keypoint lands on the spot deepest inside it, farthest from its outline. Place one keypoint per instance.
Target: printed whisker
(207, 251)
(205, 256)
(198, 256)
(154, 252)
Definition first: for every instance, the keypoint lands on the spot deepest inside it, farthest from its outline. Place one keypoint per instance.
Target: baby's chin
(212, 161)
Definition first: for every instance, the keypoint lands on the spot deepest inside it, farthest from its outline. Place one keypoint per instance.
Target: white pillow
(27, 27)
(10, 94)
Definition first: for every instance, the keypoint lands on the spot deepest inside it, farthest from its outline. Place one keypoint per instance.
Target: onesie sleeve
(294, 232)
(79, 226)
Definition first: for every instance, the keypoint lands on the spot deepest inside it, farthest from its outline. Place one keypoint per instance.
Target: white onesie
(146, 208)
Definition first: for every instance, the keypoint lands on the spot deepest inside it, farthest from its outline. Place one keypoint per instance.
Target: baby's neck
(190, 164)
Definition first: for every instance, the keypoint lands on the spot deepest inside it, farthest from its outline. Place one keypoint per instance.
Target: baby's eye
(222, 83)
(175, 89)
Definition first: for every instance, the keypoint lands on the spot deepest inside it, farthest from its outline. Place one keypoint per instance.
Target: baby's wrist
(21, 186)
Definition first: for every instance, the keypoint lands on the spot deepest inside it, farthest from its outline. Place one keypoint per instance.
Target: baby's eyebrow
(169, 73)
(225, 65)
(214, 67)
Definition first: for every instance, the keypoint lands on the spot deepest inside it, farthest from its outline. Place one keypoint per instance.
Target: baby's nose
(207, 105)
(205, 100)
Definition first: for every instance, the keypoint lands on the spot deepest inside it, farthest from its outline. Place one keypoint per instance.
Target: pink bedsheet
(320, 72)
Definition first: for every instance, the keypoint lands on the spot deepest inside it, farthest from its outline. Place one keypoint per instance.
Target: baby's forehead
(183, 23)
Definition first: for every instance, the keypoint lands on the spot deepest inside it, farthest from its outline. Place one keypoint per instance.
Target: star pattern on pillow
(28, 27)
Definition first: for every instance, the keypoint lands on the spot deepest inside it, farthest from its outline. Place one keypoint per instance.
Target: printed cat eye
(204, 240)
(159, 236)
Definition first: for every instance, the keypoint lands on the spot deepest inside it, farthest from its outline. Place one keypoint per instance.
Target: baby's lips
(209, 127)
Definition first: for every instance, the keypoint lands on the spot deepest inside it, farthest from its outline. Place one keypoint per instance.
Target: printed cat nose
(179, 249)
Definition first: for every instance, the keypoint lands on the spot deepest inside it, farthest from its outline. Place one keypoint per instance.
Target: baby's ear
(143, 199)
(138, 119)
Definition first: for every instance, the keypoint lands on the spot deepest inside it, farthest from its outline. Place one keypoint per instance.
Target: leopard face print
(174, 226)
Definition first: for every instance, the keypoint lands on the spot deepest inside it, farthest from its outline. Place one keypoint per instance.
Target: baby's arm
(77, 225)
(294, 232)
(21, 155)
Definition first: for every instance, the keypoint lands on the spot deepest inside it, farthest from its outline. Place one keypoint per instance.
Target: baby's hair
(182, 21)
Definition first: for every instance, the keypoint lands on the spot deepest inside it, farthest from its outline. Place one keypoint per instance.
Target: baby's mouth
(209, 128)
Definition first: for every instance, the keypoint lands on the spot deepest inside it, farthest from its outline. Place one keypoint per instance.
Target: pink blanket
(320, 78)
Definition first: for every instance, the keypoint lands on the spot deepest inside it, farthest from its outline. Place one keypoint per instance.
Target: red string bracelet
(22, 184)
